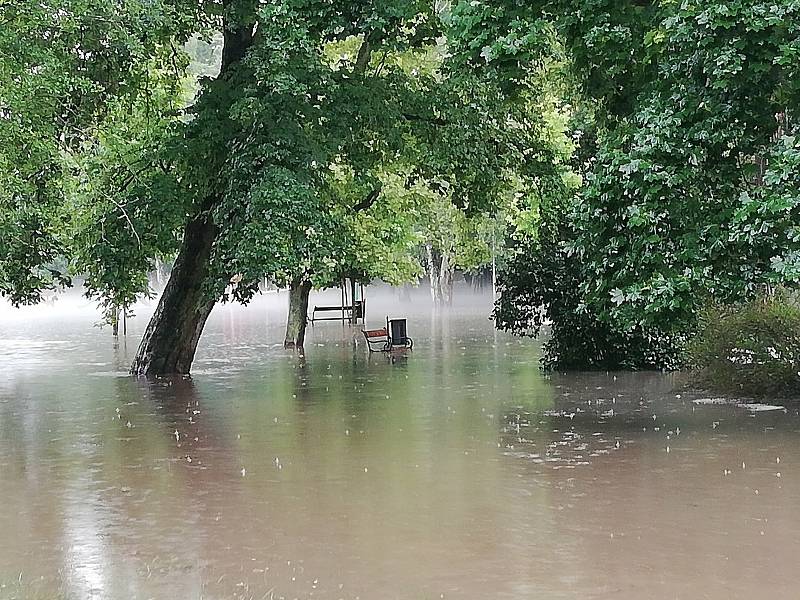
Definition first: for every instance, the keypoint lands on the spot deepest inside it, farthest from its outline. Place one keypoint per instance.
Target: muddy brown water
(455, 471)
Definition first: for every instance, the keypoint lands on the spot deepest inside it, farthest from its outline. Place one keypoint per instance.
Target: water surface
(455, 471)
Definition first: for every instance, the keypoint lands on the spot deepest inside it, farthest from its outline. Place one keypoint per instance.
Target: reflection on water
(455, 471)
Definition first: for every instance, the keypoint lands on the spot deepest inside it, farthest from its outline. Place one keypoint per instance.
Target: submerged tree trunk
(115, 321)
(446, 280)
(434, 261)
(440, 275)
(171, 337)
(170, 341)
(298, 314)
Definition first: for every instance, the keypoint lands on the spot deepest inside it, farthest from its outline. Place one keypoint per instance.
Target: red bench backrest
(371, 333)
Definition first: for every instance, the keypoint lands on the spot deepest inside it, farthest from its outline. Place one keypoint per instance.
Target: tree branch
(371, 39)
(368, 201)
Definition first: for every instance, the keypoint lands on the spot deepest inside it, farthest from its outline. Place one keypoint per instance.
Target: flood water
(457, 470)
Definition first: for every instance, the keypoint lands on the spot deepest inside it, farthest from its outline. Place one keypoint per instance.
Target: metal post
(494, 269)
(344, 299)
(353, 316)
(363, 305)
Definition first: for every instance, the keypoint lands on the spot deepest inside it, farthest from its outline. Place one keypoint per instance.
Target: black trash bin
(398, 333)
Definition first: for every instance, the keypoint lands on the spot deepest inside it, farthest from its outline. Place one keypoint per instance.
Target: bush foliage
(540, 290)
(751, 348)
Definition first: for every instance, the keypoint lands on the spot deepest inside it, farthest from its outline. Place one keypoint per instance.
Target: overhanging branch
(368, 201)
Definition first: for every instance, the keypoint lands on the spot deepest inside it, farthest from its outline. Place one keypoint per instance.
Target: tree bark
(446, 280)
(298, 314)
(440, 274)
(170, 340)
(434, 261)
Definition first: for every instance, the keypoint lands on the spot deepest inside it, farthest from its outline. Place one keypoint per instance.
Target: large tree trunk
(298, 314)
(171, 337)
(170, 341)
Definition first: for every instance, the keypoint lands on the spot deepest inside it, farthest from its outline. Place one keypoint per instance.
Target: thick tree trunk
(170, 341)
(171, 337)
(298, 314)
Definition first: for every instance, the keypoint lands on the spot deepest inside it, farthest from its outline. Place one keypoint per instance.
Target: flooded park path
(457, 470)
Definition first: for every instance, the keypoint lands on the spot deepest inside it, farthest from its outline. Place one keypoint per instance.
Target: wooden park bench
(388, 338)
(345, 312)
(377, 339)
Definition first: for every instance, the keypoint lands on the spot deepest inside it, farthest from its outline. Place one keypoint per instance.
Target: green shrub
(540, 291)
(751, 349)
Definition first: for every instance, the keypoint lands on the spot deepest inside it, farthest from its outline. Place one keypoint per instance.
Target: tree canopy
(65, 68)
(318, 148)
(639, 159)
(690, 184)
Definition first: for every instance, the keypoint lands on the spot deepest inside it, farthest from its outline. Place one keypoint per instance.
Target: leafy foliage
(63, 66)
(115, 218)
(337, 117)
(690, 167)
(540, 291)
(644, 156)
(664, 213)
(331, 139)
(751, 349)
